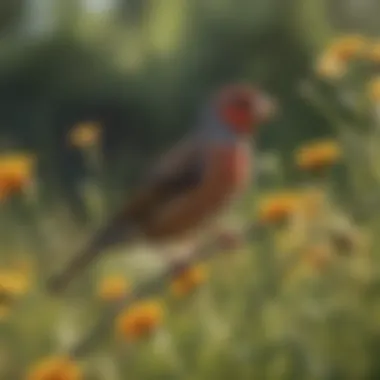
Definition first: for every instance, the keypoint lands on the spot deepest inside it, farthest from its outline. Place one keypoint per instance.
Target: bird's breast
(235, 166)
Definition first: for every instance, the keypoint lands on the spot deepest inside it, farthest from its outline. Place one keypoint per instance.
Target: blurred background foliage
(142, 68)
(137, 71)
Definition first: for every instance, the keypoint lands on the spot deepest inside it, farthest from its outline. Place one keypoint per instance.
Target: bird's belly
(238, 168)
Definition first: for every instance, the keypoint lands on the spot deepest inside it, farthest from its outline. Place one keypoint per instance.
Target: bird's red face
(243, 108)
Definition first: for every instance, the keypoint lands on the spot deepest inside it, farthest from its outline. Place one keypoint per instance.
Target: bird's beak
(267, 108)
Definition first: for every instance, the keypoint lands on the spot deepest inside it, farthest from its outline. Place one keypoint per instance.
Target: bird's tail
(109, 236)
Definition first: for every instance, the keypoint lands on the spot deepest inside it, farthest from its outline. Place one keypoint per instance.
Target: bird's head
(242, 108)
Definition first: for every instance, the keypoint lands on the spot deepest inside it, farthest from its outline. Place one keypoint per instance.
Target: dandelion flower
(139, 320)
(348, 47)
(318, 155)
(277, 208)
(16, 172)
(55, 368)
(188, 280)
(14, 281)
(330, 67)
(113, 288)
(85, 135)
(333, 61)
(13, 284)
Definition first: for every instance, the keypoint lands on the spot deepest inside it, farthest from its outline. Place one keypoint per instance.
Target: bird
(191, 183)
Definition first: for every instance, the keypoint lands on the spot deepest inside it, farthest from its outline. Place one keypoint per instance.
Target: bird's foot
(229, 239)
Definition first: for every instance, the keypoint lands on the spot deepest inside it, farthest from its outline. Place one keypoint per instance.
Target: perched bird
(191, 183)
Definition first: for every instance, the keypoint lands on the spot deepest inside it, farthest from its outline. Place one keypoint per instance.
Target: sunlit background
(92, 91)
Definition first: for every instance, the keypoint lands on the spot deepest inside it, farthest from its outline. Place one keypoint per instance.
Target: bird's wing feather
(172, 164)
(223, 176)
(179, 171)
(176, 172)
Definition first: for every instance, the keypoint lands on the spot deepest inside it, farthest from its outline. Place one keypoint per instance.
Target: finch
(191, 183)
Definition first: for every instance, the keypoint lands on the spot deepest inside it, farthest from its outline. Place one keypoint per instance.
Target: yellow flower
(188, 280)
(348, 47)
(332, 62)
(55, 368)
(13, 284)
(374, 89)
(85, 135)
(113, 288)
(329, 66)
(139, 320)
(318, 155)
(277, 208)
(16, 172)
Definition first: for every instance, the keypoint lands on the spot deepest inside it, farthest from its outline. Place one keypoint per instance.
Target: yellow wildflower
(13, 284)
(16, 172)
(113, 288)
(188, 280)
(318, 155)
(139, 320)
(348, 47)
(85, 135)
(55, 368)
(278, 207)
(374, 89)
(332, 63)
(329, 66)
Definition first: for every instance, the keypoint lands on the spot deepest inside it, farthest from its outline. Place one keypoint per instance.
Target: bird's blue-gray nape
(212, 128)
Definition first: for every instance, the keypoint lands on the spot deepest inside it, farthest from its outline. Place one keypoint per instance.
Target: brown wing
(187, 210)
(177, 173)
(174, 161)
